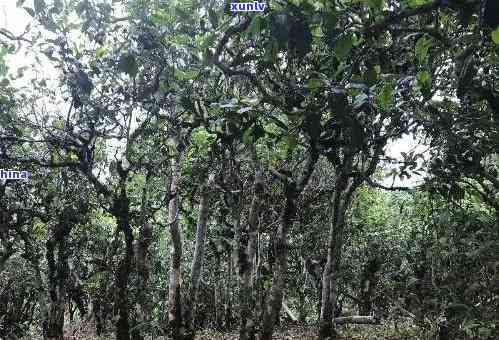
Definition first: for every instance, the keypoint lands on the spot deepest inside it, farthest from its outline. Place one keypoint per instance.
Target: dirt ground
(359, 332)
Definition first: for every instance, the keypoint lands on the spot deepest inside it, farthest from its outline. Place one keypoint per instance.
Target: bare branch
(374, 184)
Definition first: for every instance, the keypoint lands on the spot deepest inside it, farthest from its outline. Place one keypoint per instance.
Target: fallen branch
(357, 319)
(288, 312)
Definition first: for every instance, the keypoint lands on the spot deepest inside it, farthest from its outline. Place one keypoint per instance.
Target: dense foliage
(192, 168)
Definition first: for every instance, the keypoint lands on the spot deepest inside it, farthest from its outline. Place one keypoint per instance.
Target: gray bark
(174, 303)
(292, 191)
(344, 189)
(142, 264)
(197, 260)
(357, 319)
(247, 259)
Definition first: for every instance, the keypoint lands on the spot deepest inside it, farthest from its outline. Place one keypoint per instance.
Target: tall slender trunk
(174, 297)
(217, 295)
(344, 189)
(246, 262)
(281, 262)
(121, 211)
(198, 257)
(142, 263)
(228, 296)
(292, 191)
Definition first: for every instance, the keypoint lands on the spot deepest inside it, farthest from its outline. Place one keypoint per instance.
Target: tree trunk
(174, 297)
(218, 276)
(292, 190)
(58, 273)
(54, 322)
(121, 210)
(142, 263)
(344, 188)
(281, 262)
(246, 260)
(197, 259)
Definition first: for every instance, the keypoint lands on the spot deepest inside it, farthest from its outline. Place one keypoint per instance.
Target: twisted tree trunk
(292, 191)
(281, 262)
(121, 211)
(142, 263)
(247, 254)
(344, 189)
(57, 255)
(197, 260)
(174, 297)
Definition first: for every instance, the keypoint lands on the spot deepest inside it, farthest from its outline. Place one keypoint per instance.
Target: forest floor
(347, 333)
(359, 332)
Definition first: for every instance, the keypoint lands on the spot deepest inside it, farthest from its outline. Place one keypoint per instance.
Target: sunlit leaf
(343, 46)
(422, 46)
(385, 99)
(416, 3)
(495, 36)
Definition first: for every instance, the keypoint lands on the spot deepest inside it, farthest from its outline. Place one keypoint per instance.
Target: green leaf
(422, 46)
(128, 64)
(208, 40)
(384, 99)
(495, 35)
(416, 3)
(329, 28)
(376, 4)
(248, 136)
(343, 46)
(424, 79)
(317, 32)
(180, 39)
(186, 74)
(202, 139)
(19, 3)
(100, 51)
(291, 143)
(314, 83)
(58, 124)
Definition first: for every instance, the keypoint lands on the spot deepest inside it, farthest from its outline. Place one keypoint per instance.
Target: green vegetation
(201, 174)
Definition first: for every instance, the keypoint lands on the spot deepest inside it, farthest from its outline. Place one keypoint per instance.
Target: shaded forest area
(199, 173)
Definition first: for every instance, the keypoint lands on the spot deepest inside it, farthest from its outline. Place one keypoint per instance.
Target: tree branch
(374, 184)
